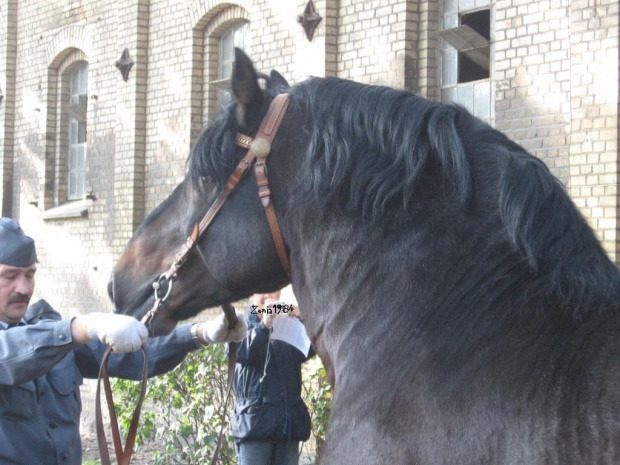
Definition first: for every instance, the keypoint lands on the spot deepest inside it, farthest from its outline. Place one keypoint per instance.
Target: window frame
(77, 130)
(476, 95)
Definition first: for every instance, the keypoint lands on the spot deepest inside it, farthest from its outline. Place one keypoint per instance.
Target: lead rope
(231, 316)
(123, 454)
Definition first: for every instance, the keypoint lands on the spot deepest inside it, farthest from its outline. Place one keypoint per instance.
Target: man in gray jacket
(44, 358)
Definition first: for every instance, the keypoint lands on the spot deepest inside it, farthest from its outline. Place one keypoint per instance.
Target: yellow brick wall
(555, 72)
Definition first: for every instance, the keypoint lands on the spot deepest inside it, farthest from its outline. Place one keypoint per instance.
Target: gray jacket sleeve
(164, 353)
(28, 352)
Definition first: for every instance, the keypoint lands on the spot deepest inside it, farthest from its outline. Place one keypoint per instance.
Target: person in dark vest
(270, 418)
(44, 358)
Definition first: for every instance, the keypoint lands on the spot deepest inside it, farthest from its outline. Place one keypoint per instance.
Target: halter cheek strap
(258, 150)
(260, 147)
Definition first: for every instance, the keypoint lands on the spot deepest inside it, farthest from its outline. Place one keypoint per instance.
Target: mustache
(19, 298)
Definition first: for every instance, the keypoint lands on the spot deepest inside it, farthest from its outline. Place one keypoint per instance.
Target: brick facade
(554, 70)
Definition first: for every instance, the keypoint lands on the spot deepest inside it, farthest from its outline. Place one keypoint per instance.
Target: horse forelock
(213, 157)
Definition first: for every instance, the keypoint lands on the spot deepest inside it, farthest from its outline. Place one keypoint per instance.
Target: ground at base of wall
(90, 452)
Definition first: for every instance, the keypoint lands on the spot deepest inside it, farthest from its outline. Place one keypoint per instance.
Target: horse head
(235, 256)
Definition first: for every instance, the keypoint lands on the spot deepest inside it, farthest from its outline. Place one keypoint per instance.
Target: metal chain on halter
(258, 148)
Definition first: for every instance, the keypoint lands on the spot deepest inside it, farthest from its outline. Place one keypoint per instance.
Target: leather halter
(258, 150)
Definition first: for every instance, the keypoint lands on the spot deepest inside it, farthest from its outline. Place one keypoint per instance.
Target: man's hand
(216, 330)
(268, 319)
(121, 332)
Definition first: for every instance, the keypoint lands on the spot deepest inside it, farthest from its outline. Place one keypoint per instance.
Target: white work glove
(121, 332)
(216, 330)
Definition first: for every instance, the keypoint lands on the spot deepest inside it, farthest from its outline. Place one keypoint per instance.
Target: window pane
(81, 159)
(84, 79)
(448, 95)
(226, 70)
(73, 155)
(465, 96)
(227, 46)
(80, 183)
(75, 82)
(238, 37)
(226, 56)
(73, 131)
(81, 133)
(72, 184)
(450, 5)
(482, 99)
(242, 36)
(449, 69)
(451, 21)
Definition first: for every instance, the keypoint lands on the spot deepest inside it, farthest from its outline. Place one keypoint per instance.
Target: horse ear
(277, 83)
(245, 86)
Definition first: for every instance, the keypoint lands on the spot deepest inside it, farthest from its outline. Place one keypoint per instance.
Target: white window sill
(71, 209)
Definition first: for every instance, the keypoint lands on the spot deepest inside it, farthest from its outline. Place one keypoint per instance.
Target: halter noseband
(258, 150)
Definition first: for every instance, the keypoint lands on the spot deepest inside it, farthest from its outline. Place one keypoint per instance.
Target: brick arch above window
(224, 20)
(65, 41)
(202, 12)
(73, 59)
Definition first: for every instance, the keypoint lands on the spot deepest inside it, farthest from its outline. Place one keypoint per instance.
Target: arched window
(66, 141)
(64, 189)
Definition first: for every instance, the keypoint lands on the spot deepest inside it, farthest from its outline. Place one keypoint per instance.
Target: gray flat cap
(16, 249)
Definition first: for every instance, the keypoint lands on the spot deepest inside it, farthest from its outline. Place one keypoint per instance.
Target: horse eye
(205, 181)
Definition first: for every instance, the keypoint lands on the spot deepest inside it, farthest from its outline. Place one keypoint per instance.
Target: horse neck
(430, 275)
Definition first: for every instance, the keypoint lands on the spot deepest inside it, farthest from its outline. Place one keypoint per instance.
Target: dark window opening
(474, 63)
(479, 21)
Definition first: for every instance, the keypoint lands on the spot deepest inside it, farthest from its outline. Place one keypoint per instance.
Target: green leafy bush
(317, 394)
(183, 409)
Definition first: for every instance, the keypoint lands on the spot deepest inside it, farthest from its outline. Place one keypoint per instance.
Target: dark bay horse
(463, 307)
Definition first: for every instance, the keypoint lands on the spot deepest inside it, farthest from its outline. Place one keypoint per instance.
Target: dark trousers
(268, 453)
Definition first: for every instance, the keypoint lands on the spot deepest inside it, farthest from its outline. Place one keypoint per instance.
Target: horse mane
(370, 145)
(212, 159)
(383, 127)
